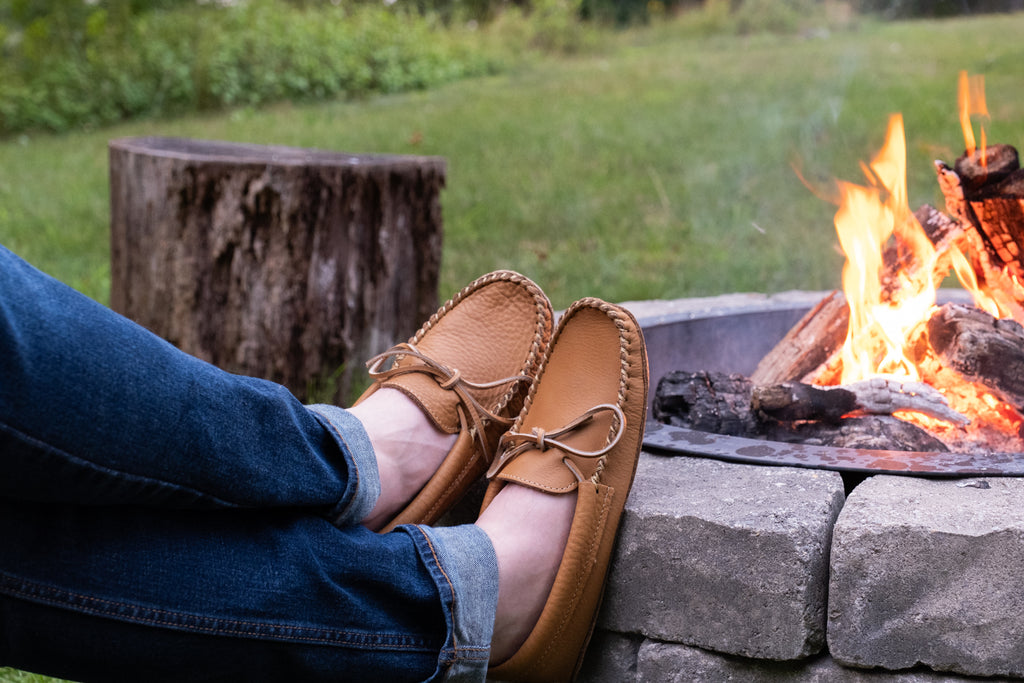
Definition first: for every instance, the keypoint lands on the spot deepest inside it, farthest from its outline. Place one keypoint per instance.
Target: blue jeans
(161, 519)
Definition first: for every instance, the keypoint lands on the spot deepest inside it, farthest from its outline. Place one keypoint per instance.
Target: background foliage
(68, 64)
(93, 64)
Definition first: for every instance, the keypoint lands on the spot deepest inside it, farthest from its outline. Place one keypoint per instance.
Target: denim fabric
(466, 561)
(355, 444)
(163, 520)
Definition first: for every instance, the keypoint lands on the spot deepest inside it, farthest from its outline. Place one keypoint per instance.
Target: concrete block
(930, 572)
(674, 663)
(611, 658)
(728, 557)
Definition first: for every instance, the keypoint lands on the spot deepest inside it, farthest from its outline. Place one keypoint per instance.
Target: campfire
(881, 364)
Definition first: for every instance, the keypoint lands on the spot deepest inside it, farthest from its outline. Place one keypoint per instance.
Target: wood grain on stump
(290, 264)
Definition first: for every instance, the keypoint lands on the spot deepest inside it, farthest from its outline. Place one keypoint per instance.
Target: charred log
(876, 432)
(731, 405)
(979, 348)
(706, 401)
(791, 401)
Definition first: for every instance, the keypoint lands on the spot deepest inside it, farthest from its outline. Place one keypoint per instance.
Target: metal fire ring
(663, 438)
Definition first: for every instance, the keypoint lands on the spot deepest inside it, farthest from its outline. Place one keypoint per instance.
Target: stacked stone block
(930, 572)
(730, 572)
(700, 562)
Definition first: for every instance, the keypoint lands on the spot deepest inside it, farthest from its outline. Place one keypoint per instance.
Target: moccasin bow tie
(450, 379)
(513, 443)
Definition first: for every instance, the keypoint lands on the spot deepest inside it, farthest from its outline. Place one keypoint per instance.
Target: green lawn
(15, 676)
(659, 166)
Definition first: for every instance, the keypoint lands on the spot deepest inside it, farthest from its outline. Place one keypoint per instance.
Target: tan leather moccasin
(579, 434)
(469, 368)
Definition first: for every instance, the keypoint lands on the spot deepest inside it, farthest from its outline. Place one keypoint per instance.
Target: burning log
(876, 396)
(979, 348)
(808, 345)
(985, 191)
(731, 404)
(808, 351)
(986, 167)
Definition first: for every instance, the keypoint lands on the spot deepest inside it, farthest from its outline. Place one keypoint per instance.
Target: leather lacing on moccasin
(513, 443)
(541, 305)
(450, 379)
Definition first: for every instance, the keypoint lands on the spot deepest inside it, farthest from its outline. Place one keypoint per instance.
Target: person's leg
(527, 561)
(136, 593)
(201, 590)
(122, 433)
(95, 409)
(120, 592)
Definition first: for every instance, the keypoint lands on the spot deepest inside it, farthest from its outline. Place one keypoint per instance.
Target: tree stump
(290, 264)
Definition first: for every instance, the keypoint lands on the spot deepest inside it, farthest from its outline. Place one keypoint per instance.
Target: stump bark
(290, 264)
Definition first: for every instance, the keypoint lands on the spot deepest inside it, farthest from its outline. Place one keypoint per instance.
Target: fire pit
(730, 335)
(742, 566)
(879, 368)
(822, 563)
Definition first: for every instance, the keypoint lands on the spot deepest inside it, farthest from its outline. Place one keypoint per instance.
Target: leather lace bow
(448, 378)
(513, 443)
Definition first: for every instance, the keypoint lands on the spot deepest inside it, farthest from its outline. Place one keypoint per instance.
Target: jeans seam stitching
(97, 608)
(456, 648)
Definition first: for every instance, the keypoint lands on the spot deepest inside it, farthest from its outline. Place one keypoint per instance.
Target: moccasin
(470, 368)
(579, 434)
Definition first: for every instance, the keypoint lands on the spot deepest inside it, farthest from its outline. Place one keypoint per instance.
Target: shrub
(64, 70)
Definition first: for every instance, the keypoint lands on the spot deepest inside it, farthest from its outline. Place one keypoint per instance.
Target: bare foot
(529, 529)
(408, 446)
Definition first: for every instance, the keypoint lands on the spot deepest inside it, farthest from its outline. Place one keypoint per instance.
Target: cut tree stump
(290, 264)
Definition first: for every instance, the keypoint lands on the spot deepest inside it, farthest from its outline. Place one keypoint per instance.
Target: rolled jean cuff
(462, 562)
(364, 487)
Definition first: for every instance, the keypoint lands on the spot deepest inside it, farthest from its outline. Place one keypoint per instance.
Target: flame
(882, 318)
(971, 98)
(968, 278)
(876, 230)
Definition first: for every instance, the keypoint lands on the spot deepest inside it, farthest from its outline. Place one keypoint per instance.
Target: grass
(659, 166)
(15, 676)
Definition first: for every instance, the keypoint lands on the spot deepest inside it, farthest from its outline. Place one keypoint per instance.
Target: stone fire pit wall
(735, 572)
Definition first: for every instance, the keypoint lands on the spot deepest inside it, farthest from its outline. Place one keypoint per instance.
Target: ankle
(529, 530)
(408, 448)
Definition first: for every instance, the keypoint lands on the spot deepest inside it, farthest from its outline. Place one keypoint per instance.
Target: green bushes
(62, 71)
(68, 64)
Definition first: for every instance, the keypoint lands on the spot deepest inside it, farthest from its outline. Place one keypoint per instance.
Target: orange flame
(874, 224)
(971, 98)
(881, 319)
